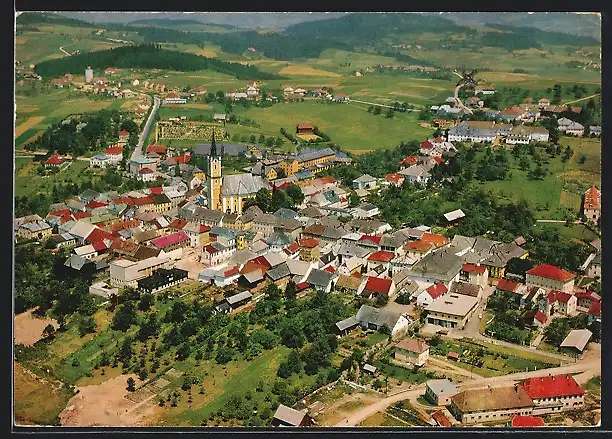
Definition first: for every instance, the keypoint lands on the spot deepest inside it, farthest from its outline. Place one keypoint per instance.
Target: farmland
(28, 182)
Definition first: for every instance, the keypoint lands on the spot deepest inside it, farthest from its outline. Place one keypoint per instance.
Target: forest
(148, 56)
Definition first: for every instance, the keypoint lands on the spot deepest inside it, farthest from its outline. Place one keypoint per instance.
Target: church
(227, 193)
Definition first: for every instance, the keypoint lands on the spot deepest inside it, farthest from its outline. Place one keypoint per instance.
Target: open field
(348, 125)
(382, 419)
(28, 328)
(294, 70)
(37, 400)
(31, 122)
(29, 182)
(574, 231)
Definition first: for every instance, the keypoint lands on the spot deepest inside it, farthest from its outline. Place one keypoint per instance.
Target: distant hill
(588, 25)
(177, 22)
(148, 56)
(372, 26)
(40, 18)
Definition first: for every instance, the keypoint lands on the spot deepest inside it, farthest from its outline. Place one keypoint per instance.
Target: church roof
(242, 184)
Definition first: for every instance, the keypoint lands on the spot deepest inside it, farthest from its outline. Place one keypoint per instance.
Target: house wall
(487, 416)
(412, 357)
(557, 404)
(550, 284)
(592, 214)
(400, 328)
(449, 320)
(439, 400)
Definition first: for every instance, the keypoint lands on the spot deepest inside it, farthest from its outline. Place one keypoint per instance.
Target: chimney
(516, 387)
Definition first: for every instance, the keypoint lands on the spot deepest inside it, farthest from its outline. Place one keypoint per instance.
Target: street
(143, 135)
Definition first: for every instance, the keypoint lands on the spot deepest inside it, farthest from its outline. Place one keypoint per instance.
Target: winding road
(62, 49)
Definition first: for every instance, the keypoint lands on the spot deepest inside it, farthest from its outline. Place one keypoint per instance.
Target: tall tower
(213, 177)
(88, 74)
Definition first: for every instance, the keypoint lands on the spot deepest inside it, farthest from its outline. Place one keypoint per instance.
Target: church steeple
(213, 145)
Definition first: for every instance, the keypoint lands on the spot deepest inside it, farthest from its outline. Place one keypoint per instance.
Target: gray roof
(286, 213)
(280, 239)
(238, 297)
(350, 249)
(597, 259)
(223, 231)
(347, 323)
(577, 338)
(279, 272)
(312, 212)
(366, 178)
(89, 195)
(377, 316)
(441, 265)
(205, 214)
(242, 256)
(259, 246)
(319, 278)
(288, 225)
(465, 288)
(411, 232)
(289, 415)
(367, 206)
(394, 241)
(442, 387)
(369, 368)
(453, 304)
(242, 184)
(253, 276)
(203, 149)
(308, 155)
(76, 262)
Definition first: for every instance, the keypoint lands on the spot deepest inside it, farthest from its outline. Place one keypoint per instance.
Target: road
(62, 49)
(459, 103)
(591, 367)
(582, 99)
(555, 221)
(377, 105)
(143, 135)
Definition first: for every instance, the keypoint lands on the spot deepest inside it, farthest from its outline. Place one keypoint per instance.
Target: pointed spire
(213, 145)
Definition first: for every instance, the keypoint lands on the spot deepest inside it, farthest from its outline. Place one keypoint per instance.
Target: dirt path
(444, 366)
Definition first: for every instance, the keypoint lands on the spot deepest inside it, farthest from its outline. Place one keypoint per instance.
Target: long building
(482, 131)
(124, 273)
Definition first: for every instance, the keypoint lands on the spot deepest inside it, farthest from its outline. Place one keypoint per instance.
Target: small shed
(576, 340)
(453, 356)
(370, 369)
(454, 215)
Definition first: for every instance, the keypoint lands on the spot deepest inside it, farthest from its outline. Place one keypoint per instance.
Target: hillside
(588, 25)
(146, 56)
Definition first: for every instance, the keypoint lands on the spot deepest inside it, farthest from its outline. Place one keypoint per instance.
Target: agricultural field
(348, 125)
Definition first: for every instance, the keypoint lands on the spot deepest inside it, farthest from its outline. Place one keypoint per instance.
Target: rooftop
(577, 338)
(551, 272)
(552, 386)
(492, 399)
(413, 345)
(453, 304)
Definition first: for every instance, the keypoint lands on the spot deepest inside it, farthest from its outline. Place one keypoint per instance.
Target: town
(276, 261)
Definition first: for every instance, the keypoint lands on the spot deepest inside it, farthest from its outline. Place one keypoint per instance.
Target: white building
(99, 161)
(89, 74)
(127, 273)
(551, 278)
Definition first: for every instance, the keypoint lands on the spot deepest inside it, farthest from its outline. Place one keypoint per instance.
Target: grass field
(296, 70)
(382, 419)
(574, 231)
(28, 182)
(348, 125)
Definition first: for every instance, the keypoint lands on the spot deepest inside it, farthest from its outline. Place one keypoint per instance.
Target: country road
(459, 103)
(377, 105)
(62, 49)
(555, 221)
(582, 99)
(589, 368)
(143, 135)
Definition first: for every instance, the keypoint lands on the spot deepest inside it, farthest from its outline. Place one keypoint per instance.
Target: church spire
(213, 145)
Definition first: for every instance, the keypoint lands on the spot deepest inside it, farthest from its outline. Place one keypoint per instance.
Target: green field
(348, 125)
(28, 182)
(574, 231)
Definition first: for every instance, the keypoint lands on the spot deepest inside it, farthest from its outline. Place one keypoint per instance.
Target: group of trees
(146, 56)
(558, 328)
(272, 201)
(100, 130)
(376, 110)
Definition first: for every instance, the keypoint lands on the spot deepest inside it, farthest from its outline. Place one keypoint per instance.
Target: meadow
(28, 182)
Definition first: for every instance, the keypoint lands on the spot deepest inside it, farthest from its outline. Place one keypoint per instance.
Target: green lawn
(348, 125)
(400, 373)
(573, 231)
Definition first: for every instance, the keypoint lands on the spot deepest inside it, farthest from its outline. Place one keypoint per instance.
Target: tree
(390, 113)
(131, 384)
(376, 111)
(370, 108)
(146, 300)
(381, 300)
(354, 200)
(49, 332)
(87, 325)
(292, 334)
(224, 355)
(295, 193)
(124, 317)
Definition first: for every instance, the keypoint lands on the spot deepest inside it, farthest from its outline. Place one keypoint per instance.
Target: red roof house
(426, 145)
(592, 199)
(156, 190)
(436, 239)
(410, 160)
(398, 179)
(308, 242)
(595, 309)
(507, 285)
(436, 290)
(93, 204)
(80, 215)
(370, 239)
(330, 269)
(293, 248)
(474, 269)
(381, 256)
(113, 150)
(55, 160)
(98, 235)
(557, 296)
(159, 149)
(419, 246)
(519, 421)
(124, 132)
(169, 240)
(377, 285)
(143, 201)
(551, 272)
(552, 387)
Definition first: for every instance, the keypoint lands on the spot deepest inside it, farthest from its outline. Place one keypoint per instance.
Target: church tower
(213, 177)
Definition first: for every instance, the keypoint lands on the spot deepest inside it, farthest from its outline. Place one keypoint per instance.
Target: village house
(550, 277)
(558, 302)
(232, 303)
(534, 318)
(412, 351)
(591, 207)
(475, 274)
(451, 310)
(439, 392)
(125, 273)
(492, 404)
(431, 294)
(162, 279)
(551, 394)
(376, 286)
(288, 417)
(369, 317)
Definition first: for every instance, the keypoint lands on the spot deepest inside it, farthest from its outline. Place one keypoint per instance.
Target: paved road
(591, 367)
(143, 135)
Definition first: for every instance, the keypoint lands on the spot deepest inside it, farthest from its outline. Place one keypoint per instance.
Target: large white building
(89, 74)
(124, 273)
(551, 278)
(451, 310)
